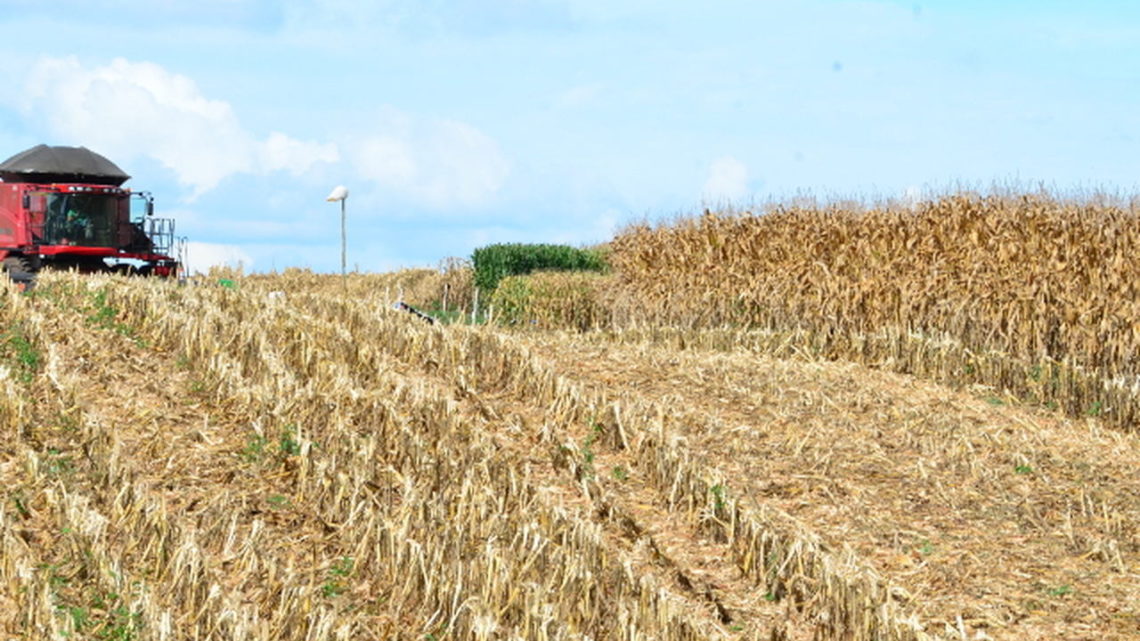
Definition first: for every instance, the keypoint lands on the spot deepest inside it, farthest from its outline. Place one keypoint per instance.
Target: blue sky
(458, 123)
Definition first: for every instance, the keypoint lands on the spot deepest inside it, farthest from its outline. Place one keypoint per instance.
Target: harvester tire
(21, 270)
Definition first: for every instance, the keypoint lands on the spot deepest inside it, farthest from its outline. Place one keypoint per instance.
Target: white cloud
(131, 109)
(200, 257)
(198, 224)
(388, 160)
(578, 96)
(282, 153)
(433, 163)
(727, 181)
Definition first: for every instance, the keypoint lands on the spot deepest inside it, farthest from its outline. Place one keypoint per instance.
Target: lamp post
(340, 192)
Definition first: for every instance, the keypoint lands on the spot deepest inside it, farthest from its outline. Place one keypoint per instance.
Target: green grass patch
(19, 351)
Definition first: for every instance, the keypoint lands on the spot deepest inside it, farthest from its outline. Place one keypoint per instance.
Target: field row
(310, 488)
(1020, 521)
(208, 462)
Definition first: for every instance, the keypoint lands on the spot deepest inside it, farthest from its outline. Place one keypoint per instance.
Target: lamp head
(340, 192)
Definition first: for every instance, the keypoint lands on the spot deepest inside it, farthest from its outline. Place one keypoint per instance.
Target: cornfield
(552, 300)
(1026, 293)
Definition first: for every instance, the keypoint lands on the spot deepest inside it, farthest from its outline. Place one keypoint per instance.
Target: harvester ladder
(161, 234)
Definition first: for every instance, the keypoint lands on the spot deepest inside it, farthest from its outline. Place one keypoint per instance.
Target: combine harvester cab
(66, 208)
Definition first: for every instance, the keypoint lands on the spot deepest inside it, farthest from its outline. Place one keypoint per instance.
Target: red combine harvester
(65, 208)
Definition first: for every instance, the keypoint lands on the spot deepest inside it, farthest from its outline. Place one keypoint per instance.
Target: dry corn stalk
(1038, 294)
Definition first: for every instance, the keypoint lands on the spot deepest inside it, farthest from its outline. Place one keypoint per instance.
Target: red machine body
(78, 216)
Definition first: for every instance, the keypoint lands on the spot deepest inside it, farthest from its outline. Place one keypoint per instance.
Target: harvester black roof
(44, 164)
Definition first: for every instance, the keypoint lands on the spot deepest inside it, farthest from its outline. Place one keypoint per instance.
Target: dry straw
(1026, 292)
(960, 503)
(317, 486)
(314, 466)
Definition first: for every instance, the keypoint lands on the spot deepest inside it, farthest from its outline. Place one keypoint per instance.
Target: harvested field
(1024, 523)
(208, 462)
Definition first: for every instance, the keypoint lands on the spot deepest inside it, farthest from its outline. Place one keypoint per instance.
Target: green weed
(340, 569)
(124, 625)
(103, 316)
(718, 496)
(288, 444)
(18, 501)
(1061, 590)
(596, 430)
(254, 450)
(16, 348)
(57, 463)
(103, 616)
(80, 618)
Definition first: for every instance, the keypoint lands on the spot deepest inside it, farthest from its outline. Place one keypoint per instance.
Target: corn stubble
(336, 470)
(968, 509)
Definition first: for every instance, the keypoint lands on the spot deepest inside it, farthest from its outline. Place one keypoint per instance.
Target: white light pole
(340, 192)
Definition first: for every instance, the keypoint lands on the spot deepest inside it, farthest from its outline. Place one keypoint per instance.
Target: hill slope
(204, 462)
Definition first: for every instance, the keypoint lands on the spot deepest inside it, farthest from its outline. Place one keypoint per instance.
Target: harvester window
(35, 202)
(81, 219)
(142, 206)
